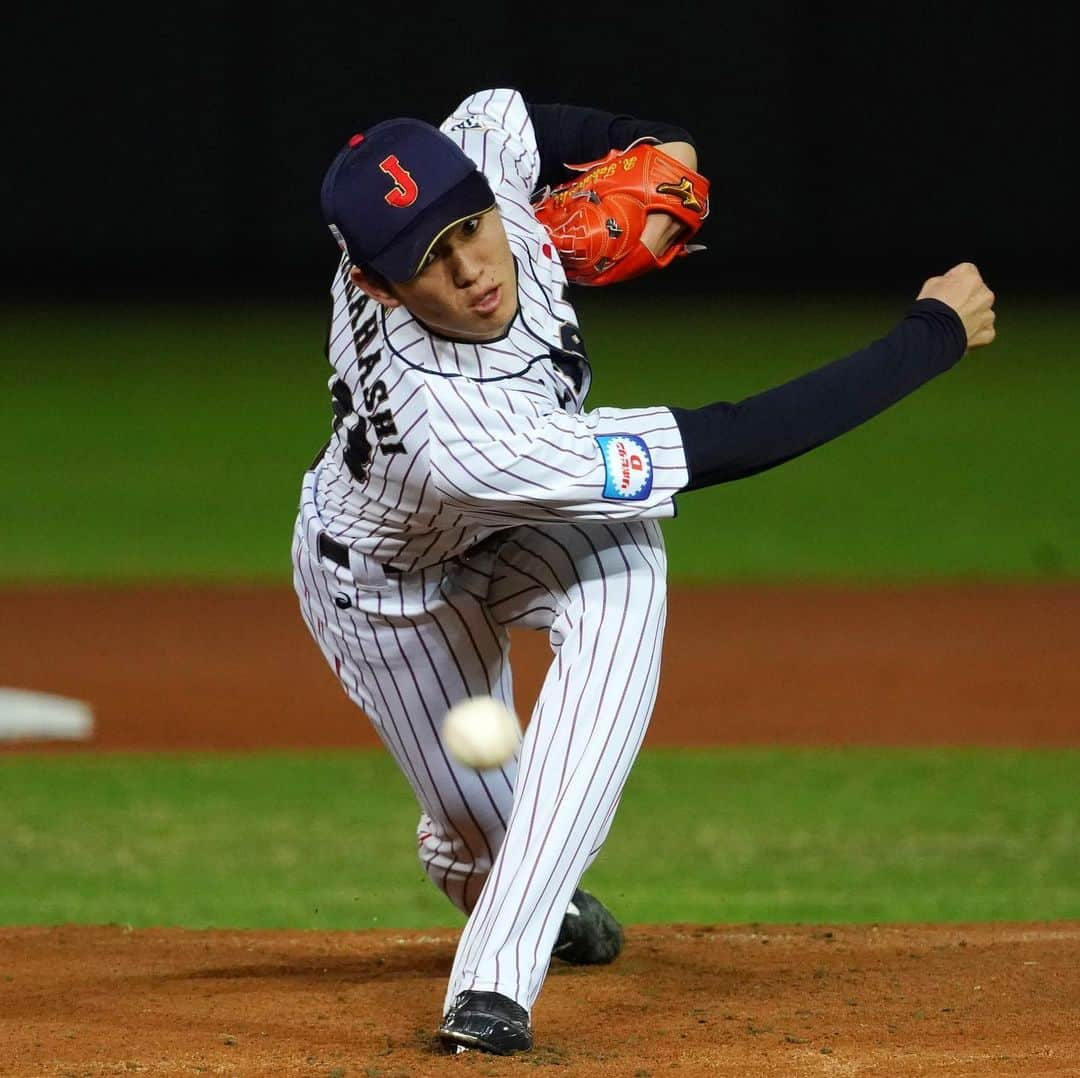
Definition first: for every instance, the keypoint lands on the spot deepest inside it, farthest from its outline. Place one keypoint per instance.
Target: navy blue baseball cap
(393, 191)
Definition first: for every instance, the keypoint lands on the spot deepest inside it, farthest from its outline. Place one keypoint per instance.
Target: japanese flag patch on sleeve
(628, 468)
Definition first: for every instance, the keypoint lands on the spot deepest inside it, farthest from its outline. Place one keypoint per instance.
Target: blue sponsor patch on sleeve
(628, 470)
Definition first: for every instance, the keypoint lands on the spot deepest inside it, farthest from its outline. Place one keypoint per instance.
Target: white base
(29, 715)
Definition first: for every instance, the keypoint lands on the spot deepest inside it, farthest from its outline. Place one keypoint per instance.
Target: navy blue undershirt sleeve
(571, 134)
(725, 441)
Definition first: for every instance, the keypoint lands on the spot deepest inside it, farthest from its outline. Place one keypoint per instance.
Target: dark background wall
(180, 152)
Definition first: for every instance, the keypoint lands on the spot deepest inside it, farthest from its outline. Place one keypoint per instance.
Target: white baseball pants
(507, 846)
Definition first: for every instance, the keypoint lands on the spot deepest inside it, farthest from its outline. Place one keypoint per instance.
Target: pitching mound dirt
(682, 1000)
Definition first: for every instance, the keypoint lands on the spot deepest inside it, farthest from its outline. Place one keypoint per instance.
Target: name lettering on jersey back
(382, 422)
(363, 332)
(375, 394)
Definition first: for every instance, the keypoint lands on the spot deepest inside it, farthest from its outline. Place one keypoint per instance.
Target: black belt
(332, 549)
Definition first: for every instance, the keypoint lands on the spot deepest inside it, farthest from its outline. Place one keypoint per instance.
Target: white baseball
(481, 732)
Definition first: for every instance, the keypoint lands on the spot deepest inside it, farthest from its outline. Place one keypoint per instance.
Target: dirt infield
(172, 668)
(683, 1000)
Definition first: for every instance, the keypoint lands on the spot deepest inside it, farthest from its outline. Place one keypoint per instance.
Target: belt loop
(331, 549)
(313, 529)
(366, 571)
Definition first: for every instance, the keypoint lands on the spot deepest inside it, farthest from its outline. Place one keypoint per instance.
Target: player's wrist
(948, 321)
(683, 152)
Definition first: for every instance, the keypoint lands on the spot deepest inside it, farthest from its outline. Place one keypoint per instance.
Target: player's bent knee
(456, 867)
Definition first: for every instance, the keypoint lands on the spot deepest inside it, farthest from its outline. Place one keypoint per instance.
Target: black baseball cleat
(489, 1021)
(589, 935)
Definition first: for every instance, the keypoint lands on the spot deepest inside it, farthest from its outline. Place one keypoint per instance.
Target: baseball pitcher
(467, 489)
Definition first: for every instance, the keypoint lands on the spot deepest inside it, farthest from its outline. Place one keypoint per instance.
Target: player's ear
(375, 286)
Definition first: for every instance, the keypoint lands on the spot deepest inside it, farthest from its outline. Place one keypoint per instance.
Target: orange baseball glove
(595, 220)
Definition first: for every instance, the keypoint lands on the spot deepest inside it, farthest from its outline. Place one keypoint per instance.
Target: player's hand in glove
(964, 290)
(628, 213)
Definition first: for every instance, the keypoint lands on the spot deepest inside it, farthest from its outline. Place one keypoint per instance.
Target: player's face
(467, 287)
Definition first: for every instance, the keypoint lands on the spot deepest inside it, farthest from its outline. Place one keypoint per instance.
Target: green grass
(326, 840)
(166, 442)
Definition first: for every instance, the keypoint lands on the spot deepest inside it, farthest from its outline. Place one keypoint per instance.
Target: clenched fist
(964, 290)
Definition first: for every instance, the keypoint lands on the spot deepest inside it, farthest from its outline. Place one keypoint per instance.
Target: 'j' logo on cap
(391, 192)
(405, 190)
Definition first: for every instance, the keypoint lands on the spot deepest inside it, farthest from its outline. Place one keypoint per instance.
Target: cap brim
(402, 259)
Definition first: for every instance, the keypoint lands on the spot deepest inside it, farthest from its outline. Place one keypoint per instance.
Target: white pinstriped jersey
(440, 443)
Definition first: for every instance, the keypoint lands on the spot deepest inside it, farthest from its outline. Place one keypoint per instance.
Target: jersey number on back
(357, 448)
